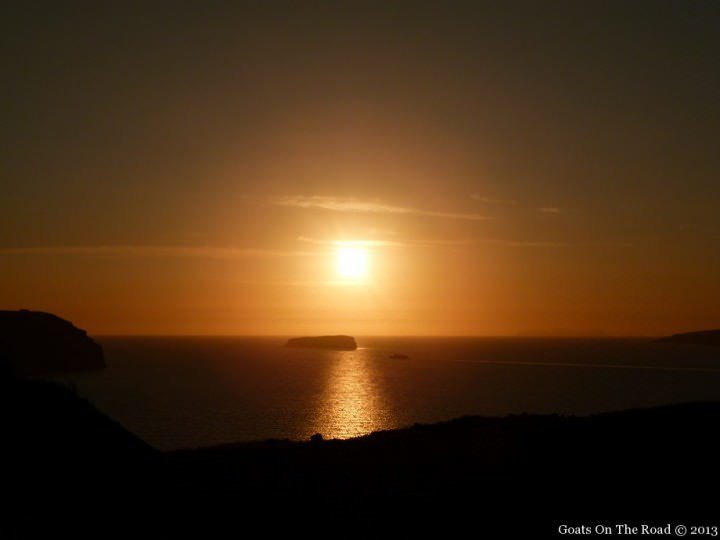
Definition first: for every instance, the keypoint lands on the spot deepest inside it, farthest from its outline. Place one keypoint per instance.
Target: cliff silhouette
(703, 337)
(38, 343)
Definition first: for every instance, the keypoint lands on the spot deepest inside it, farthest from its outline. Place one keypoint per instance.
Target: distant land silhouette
(338, 343)
(38, 343)
(704, 337)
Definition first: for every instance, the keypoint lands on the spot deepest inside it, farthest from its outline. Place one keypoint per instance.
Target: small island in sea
(336, 343)
(704, 337)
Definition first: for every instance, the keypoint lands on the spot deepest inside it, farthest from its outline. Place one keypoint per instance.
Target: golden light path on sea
(351, 404)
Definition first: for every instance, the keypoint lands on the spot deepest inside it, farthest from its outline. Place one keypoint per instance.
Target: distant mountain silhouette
(704, 337)
(38, 343)
(339, 343)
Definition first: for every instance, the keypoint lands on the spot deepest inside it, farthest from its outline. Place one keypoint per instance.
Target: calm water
(186, 392)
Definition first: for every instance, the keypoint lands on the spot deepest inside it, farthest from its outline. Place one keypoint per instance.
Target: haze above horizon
(404, 168)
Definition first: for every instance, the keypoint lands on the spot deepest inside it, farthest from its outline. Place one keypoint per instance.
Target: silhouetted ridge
(73, 473)
(521, 473)
(704, 337)
(37, 343)
(67, 468)
(339, 343)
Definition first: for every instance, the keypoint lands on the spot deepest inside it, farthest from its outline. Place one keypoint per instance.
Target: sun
(351, 262)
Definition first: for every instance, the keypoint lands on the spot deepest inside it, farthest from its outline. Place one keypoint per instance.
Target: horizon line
(454, 336)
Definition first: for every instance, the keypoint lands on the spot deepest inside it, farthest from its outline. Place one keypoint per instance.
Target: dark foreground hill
(73, 473)
(63, 464)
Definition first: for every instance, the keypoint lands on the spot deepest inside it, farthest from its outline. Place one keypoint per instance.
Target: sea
(188, 392)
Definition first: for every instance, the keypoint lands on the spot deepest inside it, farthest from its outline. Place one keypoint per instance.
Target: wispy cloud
(466, 242)
(358, 243)
(233, 253)
(525, 243)
(385, 243)
(551, 243)
(490, 200)
(125, 251)
(343, 204)
(550, 210)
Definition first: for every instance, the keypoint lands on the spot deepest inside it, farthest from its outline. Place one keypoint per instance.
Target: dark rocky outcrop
(38, 343)
(337, 343)
(705, 337)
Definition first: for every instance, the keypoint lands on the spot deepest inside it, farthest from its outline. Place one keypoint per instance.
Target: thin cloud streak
(357, 243)
(468, 242)
(551, 244)
(490, 200)
(340, 204)
(383, 243)
(124, 251)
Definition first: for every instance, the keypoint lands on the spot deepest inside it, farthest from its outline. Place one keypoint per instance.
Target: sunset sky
(504, 168)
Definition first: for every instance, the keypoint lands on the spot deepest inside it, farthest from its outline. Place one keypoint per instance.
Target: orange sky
(510, 172)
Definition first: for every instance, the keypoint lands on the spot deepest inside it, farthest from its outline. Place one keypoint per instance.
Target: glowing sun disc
(351, 262)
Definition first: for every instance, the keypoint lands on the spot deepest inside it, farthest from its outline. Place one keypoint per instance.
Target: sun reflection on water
(351, 403)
